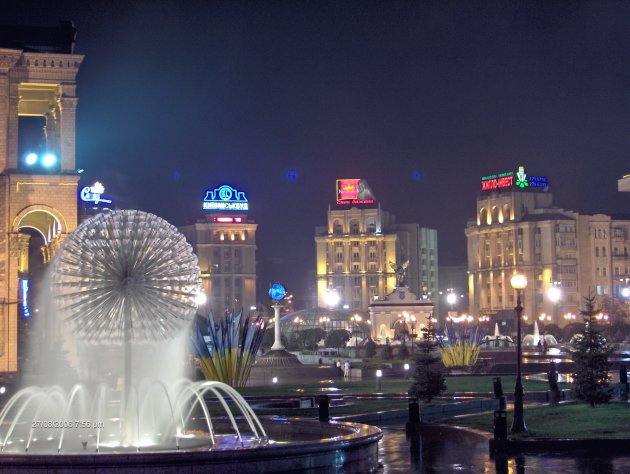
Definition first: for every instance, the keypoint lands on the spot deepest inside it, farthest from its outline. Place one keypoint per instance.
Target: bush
(337, 338)
(429, 381)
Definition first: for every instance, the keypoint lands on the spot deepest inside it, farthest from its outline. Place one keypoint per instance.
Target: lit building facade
(225, 244)
(355, 249)
(38, 179)
(519, 230)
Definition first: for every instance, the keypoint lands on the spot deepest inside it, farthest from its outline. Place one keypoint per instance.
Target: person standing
(346, 369)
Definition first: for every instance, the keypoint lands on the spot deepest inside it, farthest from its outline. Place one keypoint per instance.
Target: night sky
(419, 98)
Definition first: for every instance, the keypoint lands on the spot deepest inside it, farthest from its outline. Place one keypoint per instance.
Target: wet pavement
(433, 454)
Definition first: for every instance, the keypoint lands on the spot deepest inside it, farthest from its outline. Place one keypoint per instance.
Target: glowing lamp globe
(30, 159)
(554, 294)
(625, 292)
(49, 160)
(451, 298)
(277, 292)
(518, 281)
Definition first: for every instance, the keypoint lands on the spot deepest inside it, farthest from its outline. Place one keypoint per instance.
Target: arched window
(337, 227)
(495, 215)
(483, 216)
(371, 226)
(354, 227)
(506, 213)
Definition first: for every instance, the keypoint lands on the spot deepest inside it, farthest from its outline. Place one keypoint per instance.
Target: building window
(355, 256)
(339, 257)
(355, 267)
(597, 251)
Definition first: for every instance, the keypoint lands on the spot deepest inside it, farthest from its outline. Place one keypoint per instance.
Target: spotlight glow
(31, 159)
(49, 160)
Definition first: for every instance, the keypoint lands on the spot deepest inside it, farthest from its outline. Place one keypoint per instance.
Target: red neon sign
(497, 183)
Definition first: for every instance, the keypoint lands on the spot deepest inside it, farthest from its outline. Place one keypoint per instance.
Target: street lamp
(554, 294)
(356, 319)
(518, 282)
(332, 298)
(451, 298)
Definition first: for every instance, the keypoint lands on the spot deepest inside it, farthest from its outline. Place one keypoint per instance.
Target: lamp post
(356, 319)
(519, 282)
(554, 294)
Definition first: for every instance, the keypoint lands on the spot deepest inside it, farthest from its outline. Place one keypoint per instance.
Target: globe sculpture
(277, 292)
(125, 276)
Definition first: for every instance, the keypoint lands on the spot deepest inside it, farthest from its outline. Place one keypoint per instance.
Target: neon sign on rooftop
(510, 179)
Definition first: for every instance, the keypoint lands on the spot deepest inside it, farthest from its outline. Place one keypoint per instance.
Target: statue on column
(401, 271)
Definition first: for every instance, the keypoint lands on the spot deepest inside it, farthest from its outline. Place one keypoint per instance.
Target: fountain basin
(295, 445)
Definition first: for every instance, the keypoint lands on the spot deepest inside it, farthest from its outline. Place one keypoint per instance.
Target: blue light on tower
(277, 292)
(30, 159)
(49, 160)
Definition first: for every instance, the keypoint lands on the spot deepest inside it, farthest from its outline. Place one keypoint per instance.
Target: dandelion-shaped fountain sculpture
(125, 277)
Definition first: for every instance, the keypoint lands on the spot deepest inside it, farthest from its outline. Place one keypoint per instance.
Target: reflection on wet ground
(433, 454)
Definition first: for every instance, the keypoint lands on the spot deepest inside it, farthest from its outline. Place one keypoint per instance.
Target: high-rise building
(355, 250)
(517, 229)
(38, 178)
(225, 244)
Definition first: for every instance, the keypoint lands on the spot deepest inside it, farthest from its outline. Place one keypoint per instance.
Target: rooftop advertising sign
(354, 191)
(94, 194)
(225, 198)
(510, 179)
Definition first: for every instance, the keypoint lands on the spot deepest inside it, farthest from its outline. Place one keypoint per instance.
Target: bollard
(554, 389)
(323, 408)
(413, 425)
(500, 425)
(414, 411)
(498, 387)
(498, 392)
(623, 383)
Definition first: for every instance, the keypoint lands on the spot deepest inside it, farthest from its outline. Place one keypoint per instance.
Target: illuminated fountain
(124, 284)
(534, 339)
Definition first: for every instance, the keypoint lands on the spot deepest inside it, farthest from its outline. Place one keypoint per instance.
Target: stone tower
(38, 190)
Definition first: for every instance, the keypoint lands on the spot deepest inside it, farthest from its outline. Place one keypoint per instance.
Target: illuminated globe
(125, 275)
(277, 292)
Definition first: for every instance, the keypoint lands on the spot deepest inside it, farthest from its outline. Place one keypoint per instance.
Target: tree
(337, 338)
(311, 337)
(617, 309)
(590, 357)
(429, 380)
(370, 348)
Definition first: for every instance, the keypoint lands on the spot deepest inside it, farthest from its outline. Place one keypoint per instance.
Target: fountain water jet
(127, 279)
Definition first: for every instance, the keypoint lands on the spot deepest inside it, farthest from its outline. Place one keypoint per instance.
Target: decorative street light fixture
(554, 294)
(356, 319)
(519, 282)
(332, 298)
